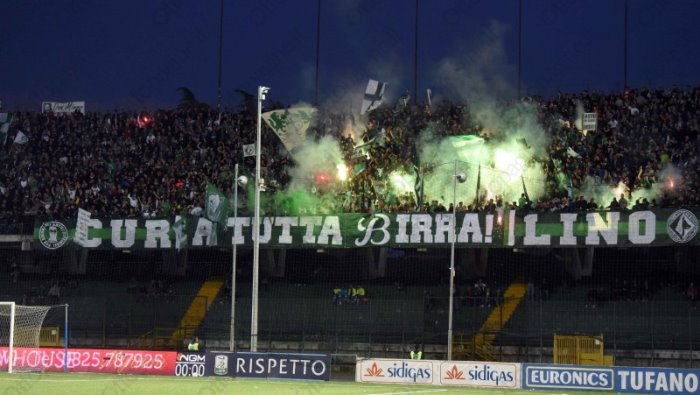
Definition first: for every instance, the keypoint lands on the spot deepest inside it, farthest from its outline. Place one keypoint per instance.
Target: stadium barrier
(93, 360)
(190, 364)
(451, 373)
(268, 365)
(618, 379)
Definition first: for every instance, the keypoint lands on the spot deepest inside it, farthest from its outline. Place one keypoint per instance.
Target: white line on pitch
(409, 392)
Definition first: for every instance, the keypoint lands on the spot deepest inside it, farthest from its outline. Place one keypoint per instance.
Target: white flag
(21, 138)
(81, 227)
(373, 96)
(248, 150)
(290, 125)
(570, 151)
(590, 121)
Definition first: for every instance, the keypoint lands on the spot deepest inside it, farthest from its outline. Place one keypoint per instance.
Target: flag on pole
(563, 181)
(358, 168)
(418, 185)
(527, 197)
(373, 96)
(467, 146)
(216, 205)
(248, 150)
(478, 187)
(179, 227)
(290, 125)
(21, 138)
(402, 104)
(570, 151)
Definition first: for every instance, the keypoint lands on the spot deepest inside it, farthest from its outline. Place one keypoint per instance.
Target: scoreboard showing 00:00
(190, 365)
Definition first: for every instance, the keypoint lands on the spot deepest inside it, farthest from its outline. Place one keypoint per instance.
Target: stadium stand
(112, 166)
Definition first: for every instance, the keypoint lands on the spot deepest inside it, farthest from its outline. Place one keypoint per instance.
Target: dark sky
(134, 54)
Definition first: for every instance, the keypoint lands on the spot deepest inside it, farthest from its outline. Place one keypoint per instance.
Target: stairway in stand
(481, 343)
(197, 311)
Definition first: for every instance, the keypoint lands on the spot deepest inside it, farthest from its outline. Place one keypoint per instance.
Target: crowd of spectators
(113, 164)
(352, 294)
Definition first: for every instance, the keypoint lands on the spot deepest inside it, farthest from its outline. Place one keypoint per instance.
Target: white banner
(81, 227)
(590, 121)
(68, 107)
(480, 374)
(374, 93)
(248, 150)
(398, 371)
(452, 373)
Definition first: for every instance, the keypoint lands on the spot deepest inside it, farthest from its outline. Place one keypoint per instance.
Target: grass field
(96, 384)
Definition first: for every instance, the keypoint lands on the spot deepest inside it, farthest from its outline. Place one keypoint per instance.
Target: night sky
(132, 54)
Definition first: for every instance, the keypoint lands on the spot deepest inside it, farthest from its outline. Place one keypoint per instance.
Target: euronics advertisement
(568, 377)
(268, 365)
(618, 379)
(468, 374)
(93, 360)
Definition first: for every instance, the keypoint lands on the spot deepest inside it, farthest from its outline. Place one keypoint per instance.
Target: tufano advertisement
(92, 360)
(190, 364)
(657, 381)
(401, 371)
(536, 376)
(480, 374)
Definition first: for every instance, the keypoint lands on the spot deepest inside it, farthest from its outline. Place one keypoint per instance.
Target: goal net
(20, 336)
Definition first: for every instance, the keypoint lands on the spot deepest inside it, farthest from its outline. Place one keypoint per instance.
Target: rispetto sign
(268, 365)
(659, 227)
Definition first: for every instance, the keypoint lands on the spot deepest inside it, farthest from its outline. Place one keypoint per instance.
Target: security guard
(416, 353)
(194, 345)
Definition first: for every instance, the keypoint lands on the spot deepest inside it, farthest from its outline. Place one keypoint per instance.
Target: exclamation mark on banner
(489, 228)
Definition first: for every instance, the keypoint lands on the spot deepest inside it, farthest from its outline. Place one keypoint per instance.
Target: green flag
(466, 146)
(216, 205)
(358, 168)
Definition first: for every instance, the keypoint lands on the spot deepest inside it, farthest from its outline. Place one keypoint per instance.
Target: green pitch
(84, 383)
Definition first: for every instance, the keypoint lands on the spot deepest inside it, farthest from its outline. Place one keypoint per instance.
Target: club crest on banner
(53, 234)
(682, 226)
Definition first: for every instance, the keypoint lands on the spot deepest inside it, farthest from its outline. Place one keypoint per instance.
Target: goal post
(21, 333)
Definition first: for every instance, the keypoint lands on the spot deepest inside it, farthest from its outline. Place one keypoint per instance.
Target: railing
(319, 324)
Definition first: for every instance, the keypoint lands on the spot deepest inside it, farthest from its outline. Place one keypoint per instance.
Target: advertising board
(190, 364)
(480, 374)
(279, 365)
(92, 360)
(657, 380)
(396, 371)
(268, 365)
(536, 376)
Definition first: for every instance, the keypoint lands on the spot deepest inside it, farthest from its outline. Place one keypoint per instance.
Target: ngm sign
(479, 374)
(568, 377)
